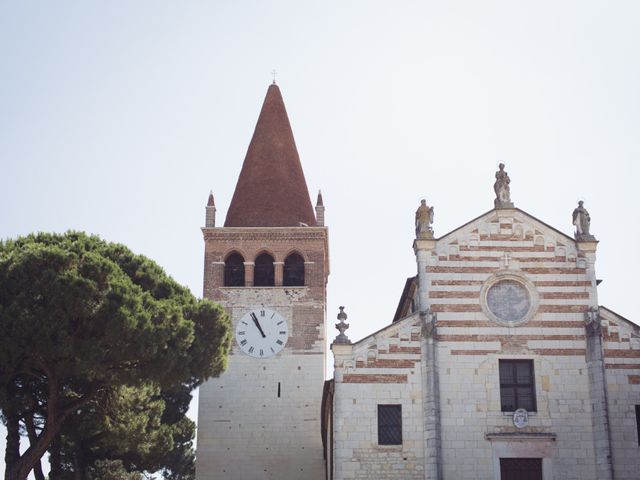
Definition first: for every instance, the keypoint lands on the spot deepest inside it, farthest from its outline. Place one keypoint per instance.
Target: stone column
(598, 394)
(342, 352)
(248, 273)
(278, 270)
(310, 273)
(429, 364)
(596, 369)
(217, 274)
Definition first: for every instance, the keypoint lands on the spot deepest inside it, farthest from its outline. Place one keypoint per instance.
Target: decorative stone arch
(372, 355)
(264, 269)
(294, 269)
(292, 250)
(234, 269)
(232, 250)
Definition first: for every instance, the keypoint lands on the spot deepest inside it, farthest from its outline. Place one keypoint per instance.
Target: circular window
(509, 299)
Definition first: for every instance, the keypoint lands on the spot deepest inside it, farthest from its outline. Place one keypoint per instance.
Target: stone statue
(501, 187)
(582, 221)
(424, 219)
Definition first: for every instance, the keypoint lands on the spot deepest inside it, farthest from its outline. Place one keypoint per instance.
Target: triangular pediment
(509, 227)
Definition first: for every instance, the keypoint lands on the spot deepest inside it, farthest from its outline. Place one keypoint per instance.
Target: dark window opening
(278, 389)
(234, 271)
(389, 424)
(638, 422)
(263, 273)
(517, 386)
(520, 469)
(293, 271)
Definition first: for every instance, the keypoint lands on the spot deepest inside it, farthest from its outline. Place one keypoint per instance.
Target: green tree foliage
(111, 470)
(87, 330)
(140, 427)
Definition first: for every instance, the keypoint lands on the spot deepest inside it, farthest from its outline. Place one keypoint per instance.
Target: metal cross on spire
(274, 73)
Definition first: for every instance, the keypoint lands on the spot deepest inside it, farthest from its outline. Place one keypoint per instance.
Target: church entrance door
(520, 469)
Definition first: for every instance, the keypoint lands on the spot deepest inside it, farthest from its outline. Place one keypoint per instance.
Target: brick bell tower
(268, 266)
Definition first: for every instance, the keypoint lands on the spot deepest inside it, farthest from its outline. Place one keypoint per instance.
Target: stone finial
(582, 222)
(424, 220)
(210, 217)
(342, 326)
(502, 189)
(320, 210)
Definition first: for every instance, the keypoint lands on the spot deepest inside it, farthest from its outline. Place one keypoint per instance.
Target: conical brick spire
(271, 190)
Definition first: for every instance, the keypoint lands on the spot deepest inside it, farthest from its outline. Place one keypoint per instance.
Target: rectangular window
(517, 386)
(520, 469)
(638, 422)
(389, 424)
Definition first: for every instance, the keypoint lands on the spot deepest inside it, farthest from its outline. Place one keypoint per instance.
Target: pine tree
(85, 324)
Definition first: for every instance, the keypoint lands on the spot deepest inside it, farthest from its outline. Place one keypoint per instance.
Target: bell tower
(268, 266)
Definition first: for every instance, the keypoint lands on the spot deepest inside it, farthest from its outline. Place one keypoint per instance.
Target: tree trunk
(12, 452)
(79, 462)
(24, 464)
(54, 459)
(21, 468)
(33, 439)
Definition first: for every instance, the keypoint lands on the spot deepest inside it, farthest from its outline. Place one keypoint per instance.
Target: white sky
(117, 118)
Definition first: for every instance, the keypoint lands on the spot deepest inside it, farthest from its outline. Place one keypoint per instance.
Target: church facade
(498, 364)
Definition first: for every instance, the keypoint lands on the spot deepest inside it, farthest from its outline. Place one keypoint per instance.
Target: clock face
(261, 333)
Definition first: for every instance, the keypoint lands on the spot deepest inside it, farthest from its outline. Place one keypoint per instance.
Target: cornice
(260, 233)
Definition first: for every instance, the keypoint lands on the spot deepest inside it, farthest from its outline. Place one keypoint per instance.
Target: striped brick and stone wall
(585, 360)
(382, 369)
(621, 341)
(561, 283)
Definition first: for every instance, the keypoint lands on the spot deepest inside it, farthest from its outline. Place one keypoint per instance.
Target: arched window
(263, 274)
(293, 271)
(234, 270)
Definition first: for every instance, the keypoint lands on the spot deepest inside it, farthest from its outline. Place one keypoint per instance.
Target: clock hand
(255, 320)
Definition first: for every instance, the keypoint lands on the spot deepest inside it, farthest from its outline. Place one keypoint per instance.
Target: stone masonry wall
(382, 369)
(261, 418)
(622, 370)
(470, 345)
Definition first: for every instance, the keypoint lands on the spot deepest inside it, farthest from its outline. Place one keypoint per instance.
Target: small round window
(508, 299)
